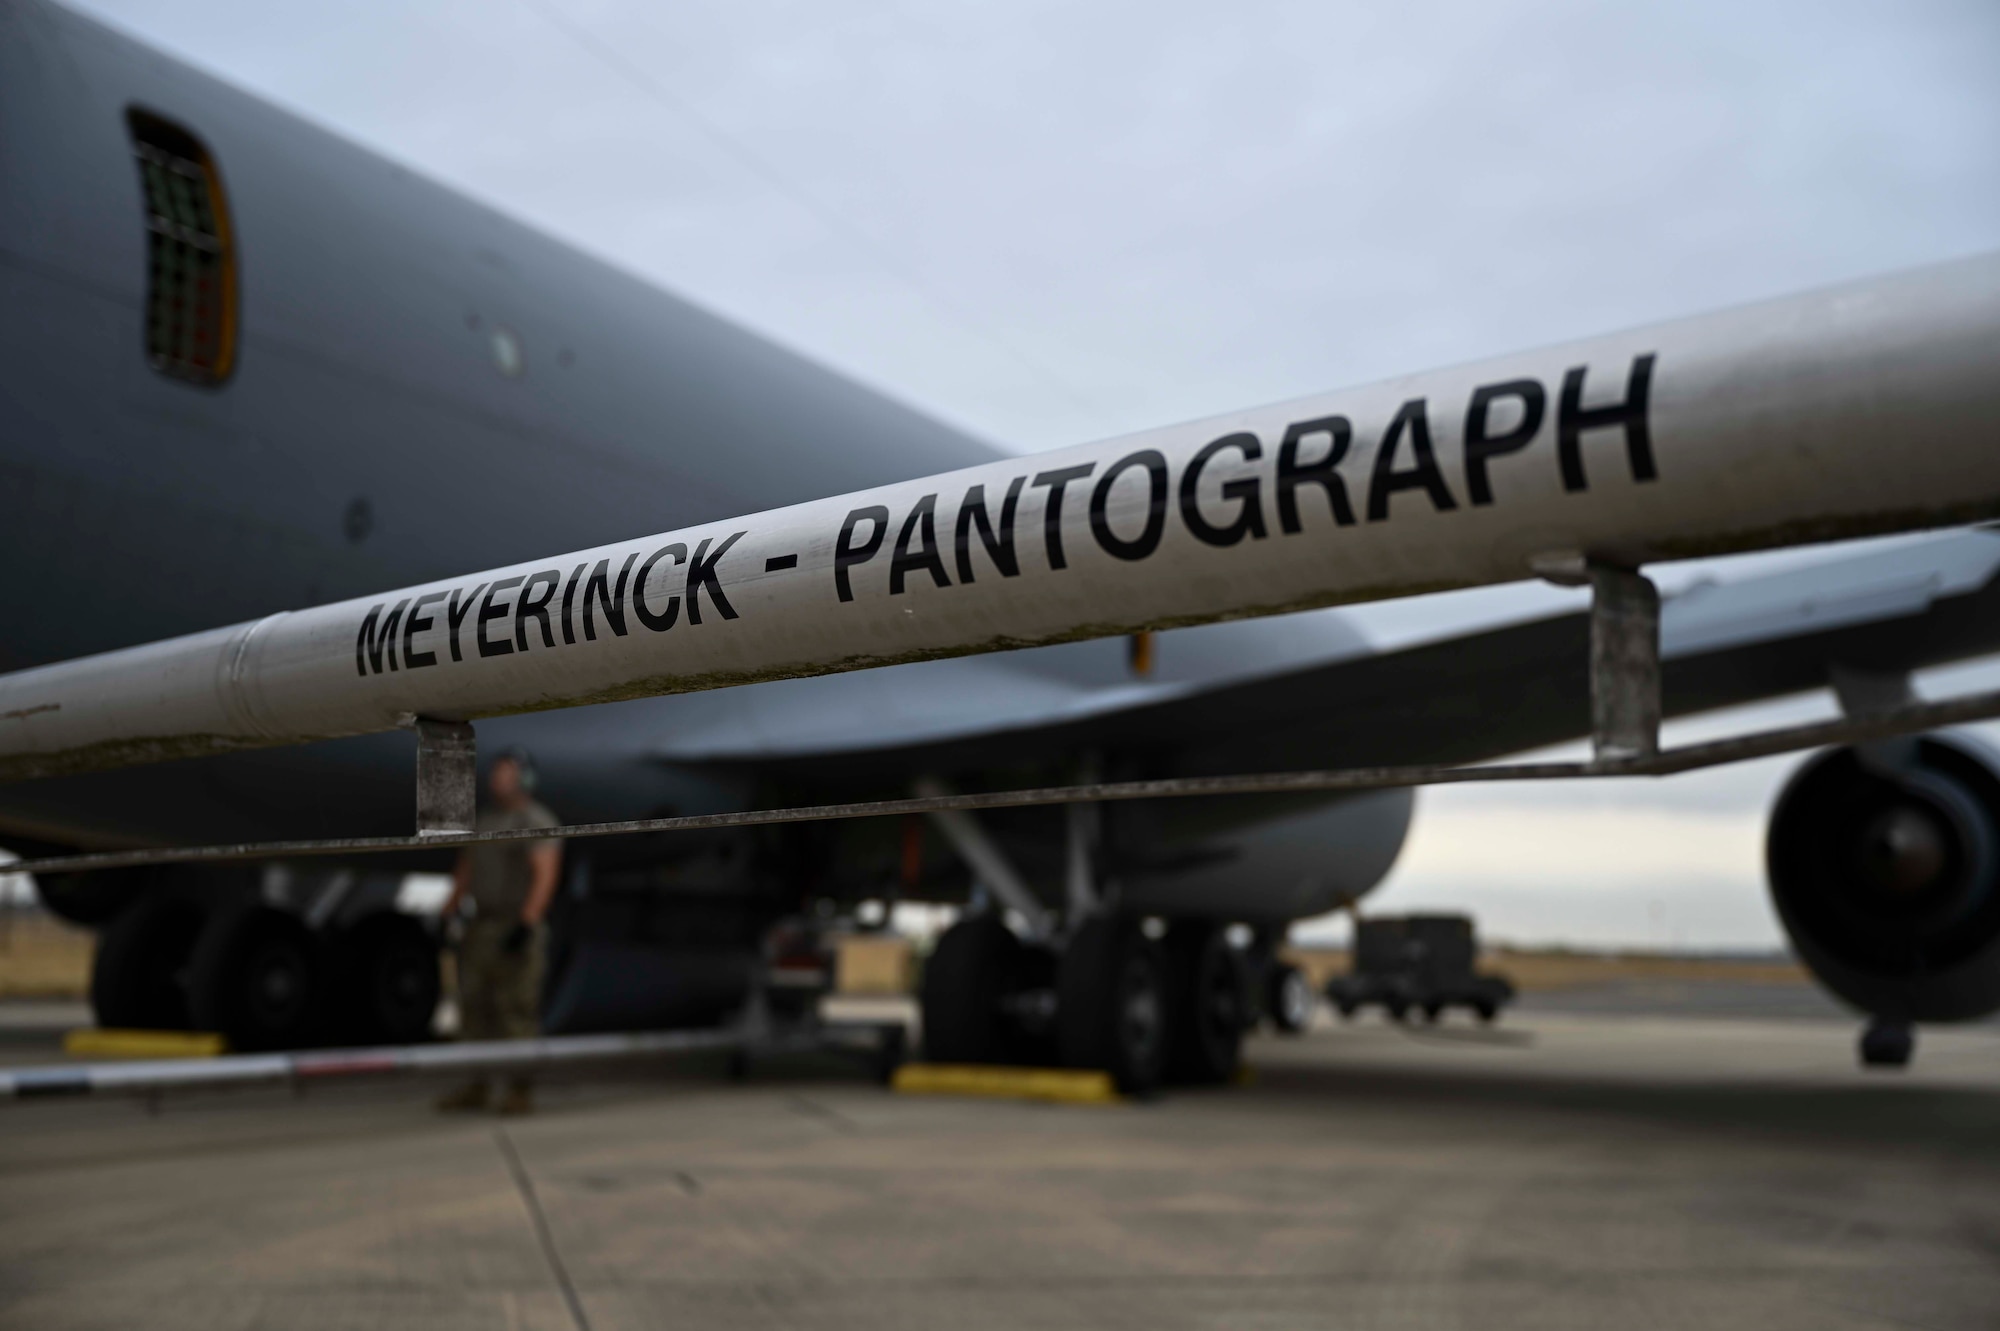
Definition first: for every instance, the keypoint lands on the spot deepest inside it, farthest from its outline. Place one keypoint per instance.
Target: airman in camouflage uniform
(510, 885)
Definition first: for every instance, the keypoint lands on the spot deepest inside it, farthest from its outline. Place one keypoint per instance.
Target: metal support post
(1624, 662)
(1083, 824)
(447, 776)
(1079, 872)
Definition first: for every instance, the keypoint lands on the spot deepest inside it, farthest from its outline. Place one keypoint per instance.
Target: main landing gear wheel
(136, 978)
(1111, 1004)
(1288, 999)
(1205, 992)
(384, 981)
(257, 976)
(966, 982)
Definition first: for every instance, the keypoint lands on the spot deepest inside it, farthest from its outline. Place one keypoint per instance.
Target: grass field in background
(41, 957)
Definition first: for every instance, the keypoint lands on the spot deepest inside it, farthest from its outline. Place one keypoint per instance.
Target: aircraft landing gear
(1111, 999)
(1206, 991)
(967, 982)
(1288, 999)
(1112, 1010)
(259, 976)
(1887, 1044)
(384, 980)
(340, 965)
(135, 977)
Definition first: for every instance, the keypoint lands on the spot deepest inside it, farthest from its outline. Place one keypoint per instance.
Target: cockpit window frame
(190, 330)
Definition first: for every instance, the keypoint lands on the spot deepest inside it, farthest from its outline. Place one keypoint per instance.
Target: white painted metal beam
(1863, 409)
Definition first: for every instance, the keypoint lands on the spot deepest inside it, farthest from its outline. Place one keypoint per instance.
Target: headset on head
(524, 763)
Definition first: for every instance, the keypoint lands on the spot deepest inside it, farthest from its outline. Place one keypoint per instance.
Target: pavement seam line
(543, 1235)
(813, 1109)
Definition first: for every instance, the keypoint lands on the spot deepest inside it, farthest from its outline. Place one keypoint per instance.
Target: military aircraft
(247, 366)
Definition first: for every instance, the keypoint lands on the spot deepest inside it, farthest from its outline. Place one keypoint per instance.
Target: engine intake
(1884, 865)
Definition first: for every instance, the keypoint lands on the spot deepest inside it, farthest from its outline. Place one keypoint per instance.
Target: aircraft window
(190, 260)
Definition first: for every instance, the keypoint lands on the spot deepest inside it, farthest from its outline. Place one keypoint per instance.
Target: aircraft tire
(1288, 999)
(135, 976)
(965, 981)
(1205, 989)
(259, 978)
(95, 900)
(385, 983)
(1112, 1011)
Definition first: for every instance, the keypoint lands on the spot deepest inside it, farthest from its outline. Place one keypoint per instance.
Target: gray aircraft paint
(370, 301)
(1754, 428)
(142, 507)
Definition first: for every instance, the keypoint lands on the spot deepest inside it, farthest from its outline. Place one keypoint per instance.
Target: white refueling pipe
(1864, 409)
(882, 1040)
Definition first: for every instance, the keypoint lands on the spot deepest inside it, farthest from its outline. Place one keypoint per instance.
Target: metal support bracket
(1867, 694)
(447, 776)
(989, 864)
(1624, 662)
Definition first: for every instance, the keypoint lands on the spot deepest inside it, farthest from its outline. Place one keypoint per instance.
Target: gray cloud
(1053, 222)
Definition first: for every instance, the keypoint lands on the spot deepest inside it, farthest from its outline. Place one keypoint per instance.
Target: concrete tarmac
(1563, 1170)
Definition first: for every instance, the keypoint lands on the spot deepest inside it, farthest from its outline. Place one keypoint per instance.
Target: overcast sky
(1054, 222)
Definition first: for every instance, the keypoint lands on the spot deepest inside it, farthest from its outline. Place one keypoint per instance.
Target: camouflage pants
(499, 994)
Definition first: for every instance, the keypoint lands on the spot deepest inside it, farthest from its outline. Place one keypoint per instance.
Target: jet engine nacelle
(1884, 864)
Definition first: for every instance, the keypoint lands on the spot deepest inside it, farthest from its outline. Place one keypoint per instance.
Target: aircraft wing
(1498, 688)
